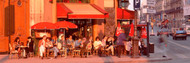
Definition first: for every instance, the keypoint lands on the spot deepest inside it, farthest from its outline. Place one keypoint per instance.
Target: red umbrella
(143, 33)
(118, 30)
(66, 24)
(44, 25)
(131, 33)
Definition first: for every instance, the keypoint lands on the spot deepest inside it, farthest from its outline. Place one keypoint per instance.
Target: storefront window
(123, 3)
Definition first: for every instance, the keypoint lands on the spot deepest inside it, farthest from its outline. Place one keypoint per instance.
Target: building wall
(14, 22)
(36, 11)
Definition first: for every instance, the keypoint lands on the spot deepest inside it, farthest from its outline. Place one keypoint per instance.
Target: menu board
(41, 34)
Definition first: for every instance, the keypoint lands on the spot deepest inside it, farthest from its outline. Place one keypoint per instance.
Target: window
(187, 2)
(74, 1)
(123, 3)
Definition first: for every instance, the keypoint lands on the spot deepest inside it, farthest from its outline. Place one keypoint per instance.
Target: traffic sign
(145, 10)
(151, 3)
(137, 4)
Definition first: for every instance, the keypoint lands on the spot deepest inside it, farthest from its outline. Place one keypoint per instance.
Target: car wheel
(185, 38)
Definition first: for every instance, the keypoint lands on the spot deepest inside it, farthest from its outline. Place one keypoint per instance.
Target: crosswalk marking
(186, 47)
(181, 56)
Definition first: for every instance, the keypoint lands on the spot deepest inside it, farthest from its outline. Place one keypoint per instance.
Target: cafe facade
(93, 17)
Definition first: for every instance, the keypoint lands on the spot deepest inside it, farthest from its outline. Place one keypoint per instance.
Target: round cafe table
(23, 53)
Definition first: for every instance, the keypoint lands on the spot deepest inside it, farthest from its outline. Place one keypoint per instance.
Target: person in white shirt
(98, 46)
(41, 45)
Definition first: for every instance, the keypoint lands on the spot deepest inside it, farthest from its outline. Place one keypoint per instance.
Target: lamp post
(135, 50)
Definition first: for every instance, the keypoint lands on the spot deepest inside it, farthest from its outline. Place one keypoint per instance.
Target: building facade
(14, 22)
(17, 17)
(186, 11)
(171, 10)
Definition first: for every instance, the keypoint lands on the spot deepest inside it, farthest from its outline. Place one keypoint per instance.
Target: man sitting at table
(49, 46)
(77, 43)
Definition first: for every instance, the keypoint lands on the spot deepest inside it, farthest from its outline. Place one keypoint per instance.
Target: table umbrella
(44, 25)
(66, 24)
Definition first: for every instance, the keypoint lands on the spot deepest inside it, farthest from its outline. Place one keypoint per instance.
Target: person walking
(120, 42)
(163, 43)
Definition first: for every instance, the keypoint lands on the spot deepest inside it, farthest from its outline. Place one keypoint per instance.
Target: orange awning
(80, 11)
(125, 14)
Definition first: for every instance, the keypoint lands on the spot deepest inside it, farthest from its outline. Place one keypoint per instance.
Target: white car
(187, 29)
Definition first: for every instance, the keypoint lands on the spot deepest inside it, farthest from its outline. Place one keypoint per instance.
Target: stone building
(171, 10)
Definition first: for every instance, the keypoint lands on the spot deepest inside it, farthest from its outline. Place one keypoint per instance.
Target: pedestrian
(163, 43)
(41, 46)
(30, 44)
(120, 42)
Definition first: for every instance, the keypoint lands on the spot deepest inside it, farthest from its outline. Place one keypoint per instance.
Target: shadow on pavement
(4, 59)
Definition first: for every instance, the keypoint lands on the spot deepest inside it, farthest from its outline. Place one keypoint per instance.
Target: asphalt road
(178, 50)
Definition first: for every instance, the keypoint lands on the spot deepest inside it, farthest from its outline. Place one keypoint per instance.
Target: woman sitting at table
(16, 45)
(98, 45)
(42, 44)
(109, 45)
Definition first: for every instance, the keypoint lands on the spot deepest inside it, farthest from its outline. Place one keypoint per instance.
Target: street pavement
(177, 50)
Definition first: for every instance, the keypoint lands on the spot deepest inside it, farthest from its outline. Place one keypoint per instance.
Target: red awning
(139, 25)
(80, 11)
(125, 14)
(62, 11)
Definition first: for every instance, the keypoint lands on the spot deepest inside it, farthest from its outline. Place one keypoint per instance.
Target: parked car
(180, 34)
(173, 30)
(187, 28)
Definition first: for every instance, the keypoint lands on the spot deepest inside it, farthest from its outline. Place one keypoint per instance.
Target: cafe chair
(76, 52)
(89, 48)
(12, 52)
(62, 50)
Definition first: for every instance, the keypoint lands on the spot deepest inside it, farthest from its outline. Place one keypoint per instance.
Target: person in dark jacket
(30, 44)
(120, 42)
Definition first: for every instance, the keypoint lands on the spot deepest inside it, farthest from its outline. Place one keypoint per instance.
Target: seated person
(109, 45)
(16, 45)
(77, 43)
(49, 46)
(98, 45)
(83, 47)
(70, 41)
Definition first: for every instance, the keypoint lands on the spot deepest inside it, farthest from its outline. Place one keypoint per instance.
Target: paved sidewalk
(90, 59)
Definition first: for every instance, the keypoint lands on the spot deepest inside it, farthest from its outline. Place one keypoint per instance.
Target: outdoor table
(23, 53)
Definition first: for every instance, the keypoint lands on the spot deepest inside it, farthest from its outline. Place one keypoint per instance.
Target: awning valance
(80, 11)
(125, 14)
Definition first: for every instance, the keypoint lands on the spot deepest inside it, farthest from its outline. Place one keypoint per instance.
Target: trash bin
(151, 47)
